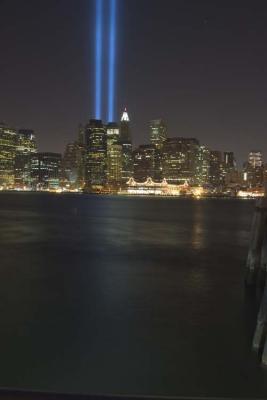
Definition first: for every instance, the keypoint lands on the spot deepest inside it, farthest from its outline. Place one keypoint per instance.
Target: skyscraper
(46, 171)
(125, 131)
(147, 163)
(230, 173)
(25, 147)
(114, 155)
(203, 166)
(127, 148)
(216, 169)
(96, 155)
(179, 160)
(253, 170)
(8, 137)
(229, 160)
(158, 133)
(255, 159)
(73, 166)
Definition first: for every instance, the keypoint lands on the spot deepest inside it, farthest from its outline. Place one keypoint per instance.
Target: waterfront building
(202, 166)
(147, 163)
(127, 162)
(161, 188)
(96, 155)
(46, 171)
(231, 175)
(127, 148)
(179, 160)
(25, 147)
(8, 138)
(73, 166)
(114, 156)
(216, 169)
(253, 176)
(114, 164)
(158, 133)
(253, 170)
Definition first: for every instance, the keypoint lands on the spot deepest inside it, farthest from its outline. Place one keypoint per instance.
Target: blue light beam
(112, 55)
(98, 58)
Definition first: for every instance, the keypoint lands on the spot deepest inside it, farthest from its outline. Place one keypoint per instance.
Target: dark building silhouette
(158, 133)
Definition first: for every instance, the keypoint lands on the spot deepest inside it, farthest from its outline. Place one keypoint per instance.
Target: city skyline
(210, 81)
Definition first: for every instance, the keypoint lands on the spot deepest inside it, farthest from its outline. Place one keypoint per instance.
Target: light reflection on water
(126, 295)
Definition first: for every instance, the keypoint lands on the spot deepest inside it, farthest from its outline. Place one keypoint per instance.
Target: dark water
(126, 295)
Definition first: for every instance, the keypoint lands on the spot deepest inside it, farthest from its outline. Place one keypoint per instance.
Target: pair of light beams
(99, 38)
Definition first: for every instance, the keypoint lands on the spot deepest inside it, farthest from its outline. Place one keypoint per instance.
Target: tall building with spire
(127, 148)
(125, 131)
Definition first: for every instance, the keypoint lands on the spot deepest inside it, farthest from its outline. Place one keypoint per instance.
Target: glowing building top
(125, 116)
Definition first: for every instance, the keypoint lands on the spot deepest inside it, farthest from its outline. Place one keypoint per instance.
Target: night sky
(199, 64)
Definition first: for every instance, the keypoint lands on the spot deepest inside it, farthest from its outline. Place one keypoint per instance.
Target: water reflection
(198, 228)
(134, 296)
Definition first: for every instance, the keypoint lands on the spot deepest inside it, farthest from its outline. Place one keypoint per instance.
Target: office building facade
(96, 155)
(46, 171)
(158, 133)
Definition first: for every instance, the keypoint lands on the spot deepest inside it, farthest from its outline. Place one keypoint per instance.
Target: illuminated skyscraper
(73, 166)
(125, 131)
(96, 155)
(216, 168)
(113, 133)
(253, 171)
(179, 160)
(158, 133)
(255, 159)
(203, 166)
(46, 171)
(25, 147)
(8, 138)
(230, 173)
(147, 163)
(127, 148)
(114, 155)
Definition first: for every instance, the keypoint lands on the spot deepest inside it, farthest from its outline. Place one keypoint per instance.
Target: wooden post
(261, 329)
(261, 277)
(256, 241)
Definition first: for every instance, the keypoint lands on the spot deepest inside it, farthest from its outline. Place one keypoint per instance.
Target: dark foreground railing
(7, 394)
